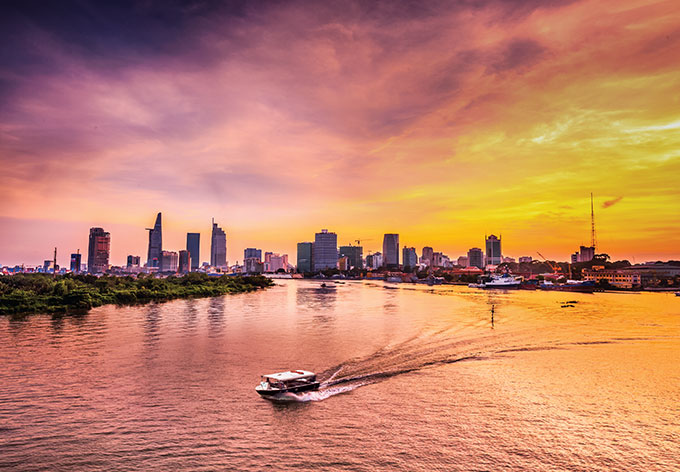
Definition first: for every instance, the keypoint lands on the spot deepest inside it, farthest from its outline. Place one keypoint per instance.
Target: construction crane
(554, 269)
(358, 241)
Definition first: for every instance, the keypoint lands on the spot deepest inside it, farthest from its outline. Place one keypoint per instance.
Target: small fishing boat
(292, 381)
(677, 294)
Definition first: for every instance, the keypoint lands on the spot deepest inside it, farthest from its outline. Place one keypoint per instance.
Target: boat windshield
(290, 382)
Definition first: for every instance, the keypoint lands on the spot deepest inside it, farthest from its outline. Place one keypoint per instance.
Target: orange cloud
(609, 203)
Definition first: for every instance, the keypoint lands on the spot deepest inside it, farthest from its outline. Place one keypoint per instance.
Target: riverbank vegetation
(40, 293)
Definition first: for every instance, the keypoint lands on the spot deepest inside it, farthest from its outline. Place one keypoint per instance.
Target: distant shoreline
(26, 294)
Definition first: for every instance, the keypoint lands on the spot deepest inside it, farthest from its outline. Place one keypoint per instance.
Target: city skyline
(366, 249)
(513, 115)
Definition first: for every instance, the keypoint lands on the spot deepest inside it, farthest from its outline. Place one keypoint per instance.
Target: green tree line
(41, 293)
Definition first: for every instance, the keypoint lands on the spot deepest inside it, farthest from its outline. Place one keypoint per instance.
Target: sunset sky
(440, 121)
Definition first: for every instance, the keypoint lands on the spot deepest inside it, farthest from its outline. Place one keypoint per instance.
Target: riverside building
(305, 252)
(354, 254)
(98, 251)
(252, 253)
(410, 257)
(325, 250)
(493, 250)
(184, 261)
(476, 258)
(169, 261)
(194, 248)
(426, 258)
(391, 250)
(617, 278)
(584, 254)
(218, 247)
(75, 262)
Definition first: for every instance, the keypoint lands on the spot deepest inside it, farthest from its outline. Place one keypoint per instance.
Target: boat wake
(412, 355)
(314, 396)
(428, 350)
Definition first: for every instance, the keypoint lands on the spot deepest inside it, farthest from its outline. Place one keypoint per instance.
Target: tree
(602, 257)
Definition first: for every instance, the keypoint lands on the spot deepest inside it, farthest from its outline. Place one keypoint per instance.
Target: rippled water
(415, 378)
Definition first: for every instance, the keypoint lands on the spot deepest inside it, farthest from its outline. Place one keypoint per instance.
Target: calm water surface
(416, 378)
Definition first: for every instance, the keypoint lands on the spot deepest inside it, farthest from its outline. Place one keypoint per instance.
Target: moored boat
(502, 281)
(586, 286)
(292, 381)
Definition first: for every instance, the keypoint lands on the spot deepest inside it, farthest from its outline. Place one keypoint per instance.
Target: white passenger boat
(292, 381)
(498, 281)
(503, 281)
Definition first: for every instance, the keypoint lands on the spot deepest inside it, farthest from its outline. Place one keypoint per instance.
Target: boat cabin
(289, 379)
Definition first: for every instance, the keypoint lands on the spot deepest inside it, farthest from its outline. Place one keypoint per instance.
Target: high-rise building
(476, 258)
(462, 261)
(305, 255)
(252, 253)
(374, 261)
(98, 251)
(252, 261)
(410, 257)
(184, 261)
(391, 250)
(169, 261)
(586, 253)
(47, 265)
(325, 250)
(75, 262)
(133, 261)
(194, 248)
(218, 247)
(493, 250)
(427, 256)
(354, 254)
(155, 243)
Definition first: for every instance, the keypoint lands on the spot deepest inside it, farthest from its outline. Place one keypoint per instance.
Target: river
(416, 378)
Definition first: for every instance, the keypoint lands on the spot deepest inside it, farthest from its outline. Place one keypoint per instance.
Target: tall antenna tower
(592, 222)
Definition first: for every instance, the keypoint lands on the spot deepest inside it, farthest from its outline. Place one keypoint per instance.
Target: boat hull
(491, 286)
(269, 392)
(571, 288)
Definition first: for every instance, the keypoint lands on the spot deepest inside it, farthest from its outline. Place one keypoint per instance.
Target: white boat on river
(498, 281)
(292, 381)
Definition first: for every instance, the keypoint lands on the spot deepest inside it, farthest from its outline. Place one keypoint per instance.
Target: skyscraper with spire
(218, 246)
(155, 243)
